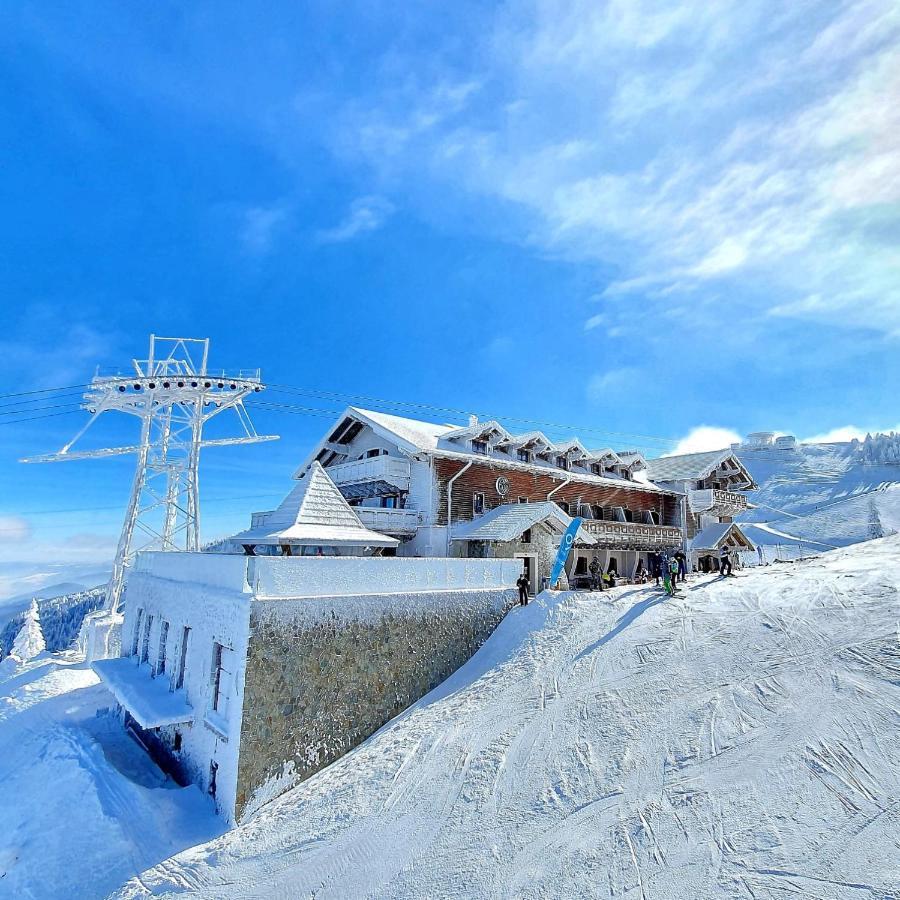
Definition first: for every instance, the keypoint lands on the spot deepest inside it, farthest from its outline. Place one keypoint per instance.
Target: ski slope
(823, 493)
(737, 741)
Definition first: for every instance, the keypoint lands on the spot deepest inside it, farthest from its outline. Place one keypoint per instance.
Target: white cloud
(705, 437)
(594, 322)
(603, 383)
(366, 214)
(260, 227)
(14, 530)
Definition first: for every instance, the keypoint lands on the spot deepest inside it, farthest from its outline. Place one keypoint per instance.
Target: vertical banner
(565, 545)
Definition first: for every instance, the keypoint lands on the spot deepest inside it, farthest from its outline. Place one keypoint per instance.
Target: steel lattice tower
(174, 395)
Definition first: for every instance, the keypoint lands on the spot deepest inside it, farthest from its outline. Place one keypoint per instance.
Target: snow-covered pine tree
(29, 641)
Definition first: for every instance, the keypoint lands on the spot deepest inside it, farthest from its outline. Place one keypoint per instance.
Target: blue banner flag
(565, 545)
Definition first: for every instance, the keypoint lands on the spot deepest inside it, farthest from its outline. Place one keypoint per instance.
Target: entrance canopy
(722, 534)
(507, 523)
(314, 514)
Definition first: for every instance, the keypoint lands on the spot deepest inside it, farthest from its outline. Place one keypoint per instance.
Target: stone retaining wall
(324, 674)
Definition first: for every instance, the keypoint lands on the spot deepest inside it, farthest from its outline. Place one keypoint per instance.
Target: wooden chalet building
(439, 490)
(713, 485)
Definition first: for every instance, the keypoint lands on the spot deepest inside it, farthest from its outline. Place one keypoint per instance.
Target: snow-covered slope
(82, 807)
(737, 741)
(831, 493)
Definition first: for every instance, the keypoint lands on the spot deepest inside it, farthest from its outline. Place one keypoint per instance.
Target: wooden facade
(534, 486)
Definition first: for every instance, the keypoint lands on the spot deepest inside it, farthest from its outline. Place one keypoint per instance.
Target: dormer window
(524, 456)
(480, 447)
(595, 469)
(562, 462)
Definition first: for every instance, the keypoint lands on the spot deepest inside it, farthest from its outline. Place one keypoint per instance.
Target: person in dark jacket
(653, 560)
(682, 565)
(725, 567)
(522, 585)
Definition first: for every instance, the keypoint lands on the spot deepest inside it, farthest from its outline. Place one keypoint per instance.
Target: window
(161, 650)
(526, 536)
(595, 469)
(221, 677)
(478, 503)
(389, 502)
(182, 659)
(523, 499)
(563, 506)
(136, 637)
(376, 451)
(562, 462)
(480, 447)
(145, 643)
(629, 515)
(597, 512)
(523, 455)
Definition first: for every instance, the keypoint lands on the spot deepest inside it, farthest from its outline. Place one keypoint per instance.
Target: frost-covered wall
(323, 674)
(211, 613)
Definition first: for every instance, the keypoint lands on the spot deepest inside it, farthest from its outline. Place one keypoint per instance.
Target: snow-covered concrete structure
(713, 484)
(245, 674)
(425, 484)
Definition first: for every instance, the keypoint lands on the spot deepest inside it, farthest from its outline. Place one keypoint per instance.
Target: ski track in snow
(737, 741)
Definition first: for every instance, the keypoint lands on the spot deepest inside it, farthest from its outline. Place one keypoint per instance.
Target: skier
(725, 567)
(666, 572)
(673, 571)
(522, 585)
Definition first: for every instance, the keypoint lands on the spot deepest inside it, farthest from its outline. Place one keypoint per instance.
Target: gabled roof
(314, 513)
(633, 458)
(478, 430)
(690, 466)
(605, 454)
(714, 536)
(506, 523)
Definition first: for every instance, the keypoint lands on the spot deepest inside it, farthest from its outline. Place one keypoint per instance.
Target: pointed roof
(314, 513)
(690, 466)
(714, 536)
(507, 522)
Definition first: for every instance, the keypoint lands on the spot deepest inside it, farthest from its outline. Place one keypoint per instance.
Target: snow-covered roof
(413, 436)
(714, 536)
(690, 466)
(314, 513)
(148, 699)
(506, 523)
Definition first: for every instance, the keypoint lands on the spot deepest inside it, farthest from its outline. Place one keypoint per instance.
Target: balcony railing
(389, 521)
(717, 501)
(632, 536)
(391, 469)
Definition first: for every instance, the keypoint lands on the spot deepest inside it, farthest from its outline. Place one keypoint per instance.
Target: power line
(68, 387)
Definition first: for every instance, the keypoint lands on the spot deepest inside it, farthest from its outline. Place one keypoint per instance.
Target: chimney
(473, 420)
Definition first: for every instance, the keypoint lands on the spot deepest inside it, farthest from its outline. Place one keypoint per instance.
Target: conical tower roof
(314, 513)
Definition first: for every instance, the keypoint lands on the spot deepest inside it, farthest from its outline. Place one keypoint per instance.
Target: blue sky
(634, 217)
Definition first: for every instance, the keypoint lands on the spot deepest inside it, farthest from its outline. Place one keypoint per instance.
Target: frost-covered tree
(29, 641)
(880, 449)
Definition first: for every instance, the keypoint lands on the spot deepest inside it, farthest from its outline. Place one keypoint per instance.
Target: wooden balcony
(391, 469)
(717, 502)
(632, 535)
(389, 521)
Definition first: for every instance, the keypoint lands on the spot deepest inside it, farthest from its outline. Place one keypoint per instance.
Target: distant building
(713, 486)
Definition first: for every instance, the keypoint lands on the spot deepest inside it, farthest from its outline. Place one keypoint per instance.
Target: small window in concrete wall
(161, 651)
(221, 674)
(182, 659)
(145, 643)
(478, 504)
(136, 637)
(526, 536)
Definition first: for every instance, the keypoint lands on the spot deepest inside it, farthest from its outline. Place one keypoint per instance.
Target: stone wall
(324, 674)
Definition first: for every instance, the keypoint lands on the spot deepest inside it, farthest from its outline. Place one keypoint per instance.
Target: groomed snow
(737, 741)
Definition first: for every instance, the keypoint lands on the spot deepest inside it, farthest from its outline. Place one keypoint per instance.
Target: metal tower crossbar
(174, 394)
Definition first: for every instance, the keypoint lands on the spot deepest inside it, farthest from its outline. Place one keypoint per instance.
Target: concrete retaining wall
(324, 674)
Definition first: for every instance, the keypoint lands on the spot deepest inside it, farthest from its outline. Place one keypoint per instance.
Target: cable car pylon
(174, 394)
